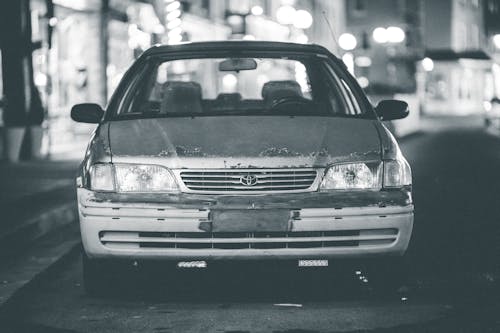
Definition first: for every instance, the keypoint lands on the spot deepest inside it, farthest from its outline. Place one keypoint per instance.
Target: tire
(96, 278)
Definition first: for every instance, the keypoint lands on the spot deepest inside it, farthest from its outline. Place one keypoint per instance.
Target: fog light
(192, 264)
(313, 263)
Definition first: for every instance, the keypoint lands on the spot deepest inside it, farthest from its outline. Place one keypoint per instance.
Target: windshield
(240, 86)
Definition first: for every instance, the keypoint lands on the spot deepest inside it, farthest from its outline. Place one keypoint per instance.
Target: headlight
(351, 176)
(397, 173)
(390, 174)
(131, 178)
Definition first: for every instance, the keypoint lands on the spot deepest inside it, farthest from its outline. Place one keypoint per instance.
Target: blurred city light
(363, 61)
(301, 76)
(302, 19)
(173, 20)
(285, 14)
(40, 79)
(496, 41)
(173, 6)
(138, 38)
(347, 41)
(427, 64)
(257, 10)
(158, 29)
(173, 15)
(395, 35)
(302, 39)
(53, 21)
(174, 32)
(363, 82)
(235, 20)
(380, 35)
(249, 37)
(487, 105)
(391, 34)
(229, 81)
(73, 4)
(348, 60)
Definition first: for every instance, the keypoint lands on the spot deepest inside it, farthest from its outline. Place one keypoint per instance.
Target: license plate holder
(251, 220)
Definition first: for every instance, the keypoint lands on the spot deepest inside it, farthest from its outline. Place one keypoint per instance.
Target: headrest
(181, 97)
(274, 90)
(229, 97)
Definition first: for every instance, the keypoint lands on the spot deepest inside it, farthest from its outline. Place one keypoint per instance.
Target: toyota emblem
(248, 180)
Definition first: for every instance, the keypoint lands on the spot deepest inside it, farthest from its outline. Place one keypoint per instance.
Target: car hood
(244, 141)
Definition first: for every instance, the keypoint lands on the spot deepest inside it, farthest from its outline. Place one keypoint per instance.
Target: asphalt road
(448, 283)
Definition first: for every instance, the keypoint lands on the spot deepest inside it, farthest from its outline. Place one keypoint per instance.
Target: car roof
(235, 45)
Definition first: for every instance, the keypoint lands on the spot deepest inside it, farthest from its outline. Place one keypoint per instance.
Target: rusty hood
(244, 141)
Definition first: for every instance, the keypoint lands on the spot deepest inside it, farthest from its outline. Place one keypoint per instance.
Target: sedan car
(241, 150)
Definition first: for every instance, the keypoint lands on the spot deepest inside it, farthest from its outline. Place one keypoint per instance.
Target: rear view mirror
(87, 113)
(237, 64)
(391, 109)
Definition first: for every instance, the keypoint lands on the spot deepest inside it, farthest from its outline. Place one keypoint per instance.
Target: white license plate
(313, 263)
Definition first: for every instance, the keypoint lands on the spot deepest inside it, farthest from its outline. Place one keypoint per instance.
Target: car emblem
(248, 180)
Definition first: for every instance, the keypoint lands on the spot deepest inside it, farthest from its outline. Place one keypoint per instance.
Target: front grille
(251, 240)
(254, 180)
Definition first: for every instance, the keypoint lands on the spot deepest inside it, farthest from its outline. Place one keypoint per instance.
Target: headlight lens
(397, 173)
(351, 176)
(143, 178)
(132, 178)
(390, 174)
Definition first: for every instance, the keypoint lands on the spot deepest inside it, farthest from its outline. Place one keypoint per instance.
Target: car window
(239, 86)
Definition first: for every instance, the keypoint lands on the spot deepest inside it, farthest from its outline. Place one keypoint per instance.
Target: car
(240, 150)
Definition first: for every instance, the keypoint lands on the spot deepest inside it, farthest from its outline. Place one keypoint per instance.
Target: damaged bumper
(287, 226)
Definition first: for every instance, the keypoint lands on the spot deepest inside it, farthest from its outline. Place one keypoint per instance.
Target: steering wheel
(297, 100)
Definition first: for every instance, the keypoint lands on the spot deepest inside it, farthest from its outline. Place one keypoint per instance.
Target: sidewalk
(34, 198)
(38, 220)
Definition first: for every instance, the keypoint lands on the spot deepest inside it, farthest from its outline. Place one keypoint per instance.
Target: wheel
(96, 277)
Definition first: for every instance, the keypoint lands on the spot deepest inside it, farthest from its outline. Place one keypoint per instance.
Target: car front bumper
(193, 227)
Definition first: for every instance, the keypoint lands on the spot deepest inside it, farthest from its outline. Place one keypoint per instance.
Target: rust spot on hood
(278, 151)
(189, 151)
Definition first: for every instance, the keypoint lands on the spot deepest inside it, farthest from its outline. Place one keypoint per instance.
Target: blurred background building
(441, 56)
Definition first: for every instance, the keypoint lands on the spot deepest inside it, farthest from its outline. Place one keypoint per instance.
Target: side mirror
(391, 109)
(87, 113)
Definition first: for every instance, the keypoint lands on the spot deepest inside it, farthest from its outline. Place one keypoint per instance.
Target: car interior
(186, 97)
(184, 94)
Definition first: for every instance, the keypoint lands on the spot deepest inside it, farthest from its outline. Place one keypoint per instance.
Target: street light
(391, 34)
(380, 35)
(257, 10)
(347, 41)
(395, 35)
(285, 14)
(427, 64)
(302, 19)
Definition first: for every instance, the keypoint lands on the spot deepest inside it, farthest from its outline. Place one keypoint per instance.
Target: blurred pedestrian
(36, 115)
